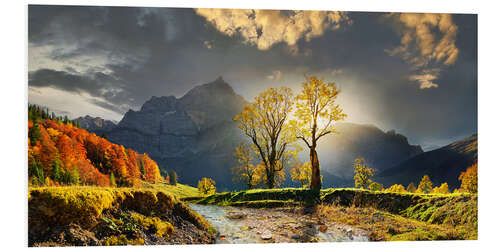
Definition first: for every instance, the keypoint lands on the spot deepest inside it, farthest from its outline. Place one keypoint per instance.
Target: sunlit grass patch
(179, 190)
(384, 226)
(259, 197)
(120, 209)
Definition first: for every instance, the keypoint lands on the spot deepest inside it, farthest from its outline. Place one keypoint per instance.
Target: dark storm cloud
(123, 56)
(106, 105)
(96, 85)
(63, 80)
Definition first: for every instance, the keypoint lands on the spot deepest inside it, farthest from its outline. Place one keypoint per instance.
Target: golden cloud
(426, 78)
(427, 43)
(264, 28)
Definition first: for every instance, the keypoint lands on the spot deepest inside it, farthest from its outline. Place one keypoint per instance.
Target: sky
(415, 73)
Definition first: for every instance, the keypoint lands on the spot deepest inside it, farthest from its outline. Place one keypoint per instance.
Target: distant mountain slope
(442, 165)
(194, 135)
(96, 125)
(380, 149)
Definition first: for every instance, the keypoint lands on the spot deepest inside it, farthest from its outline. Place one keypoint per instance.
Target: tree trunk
(316, 175)
(270, 178)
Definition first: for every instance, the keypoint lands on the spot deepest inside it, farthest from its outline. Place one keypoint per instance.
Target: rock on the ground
(235, 215)
(266, 235)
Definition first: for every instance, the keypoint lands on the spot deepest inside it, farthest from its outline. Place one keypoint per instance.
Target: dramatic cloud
(427, 43)
(425, 79)
(97, 85)
(275, 76)
(102, 61)
(265, 28)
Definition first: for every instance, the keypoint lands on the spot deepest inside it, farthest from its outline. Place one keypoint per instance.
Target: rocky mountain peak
(159, 104)
(167, 126)
(218, 88)
(95, 124)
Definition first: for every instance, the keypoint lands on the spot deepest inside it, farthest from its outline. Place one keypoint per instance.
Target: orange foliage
(94, 158)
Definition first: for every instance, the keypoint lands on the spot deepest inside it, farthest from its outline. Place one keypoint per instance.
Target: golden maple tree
(206, 186)
(266, 122)
(301, 173)
(396, 188)
(316, 112)
(375, 186)
(443, 189)
(246, 171)
(469, 179)
(411, 188)
(425, 185)
(362, 173)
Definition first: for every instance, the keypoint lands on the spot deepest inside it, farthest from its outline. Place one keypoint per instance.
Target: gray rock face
(381, 150)
(192, 133)
(95, 124)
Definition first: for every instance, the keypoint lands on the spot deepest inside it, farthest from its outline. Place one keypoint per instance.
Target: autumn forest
(61, 153)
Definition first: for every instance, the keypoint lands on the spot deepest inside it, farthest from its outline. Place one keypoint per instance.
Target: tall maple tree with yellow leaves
(316, 112)
(266, 122)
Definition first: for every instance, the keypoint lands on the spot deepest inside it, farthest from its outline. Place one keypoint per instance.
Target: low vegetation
(259, 198)
(384, 226)
(178, 190)
(386, 215)
(78, 215)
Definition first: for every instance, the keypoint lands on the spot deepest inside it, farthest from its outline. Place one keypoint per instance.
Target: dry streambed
(250, 225)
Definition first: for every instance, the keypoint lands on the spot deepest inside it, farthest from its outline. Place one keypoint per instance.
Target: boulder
(266, 235)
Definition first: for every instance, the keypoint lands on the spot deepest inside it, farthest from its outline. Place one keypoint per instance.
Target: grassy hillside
(442, 165)
(83, 215)
(388, 216)
(179, 190)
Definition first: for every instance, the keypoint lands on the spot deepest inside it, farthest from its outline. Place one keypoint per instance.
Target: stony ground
(248, 225)
(127, 233)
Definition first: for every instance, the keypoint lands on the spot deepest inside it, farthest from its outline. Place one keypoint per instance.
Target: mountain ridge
(380, 149)
(96, 125)
(442, 165)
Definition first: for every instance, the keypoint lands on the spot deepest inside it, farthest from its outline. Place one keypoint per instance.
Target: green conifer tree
(56, 171)
(34, 133)
(142, 169)
(112, 180)
(76, 175)
(173, 178)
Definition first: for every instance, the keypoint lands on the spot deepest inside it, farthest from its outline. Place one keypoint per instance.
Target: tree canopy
(266, 123)
(316, 113)
(206, 186)
(469, 179)
(301, 173)
(362, 173)
(425, 185)
(246, 171)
